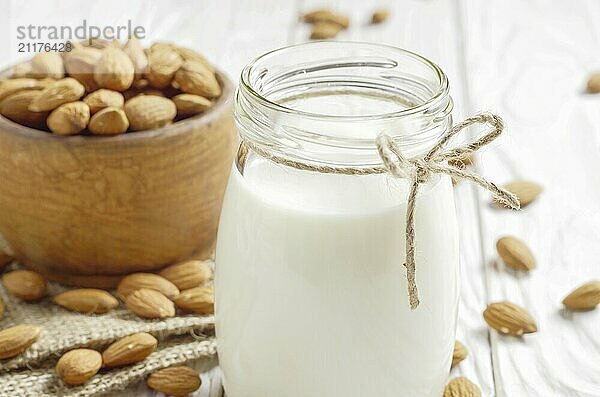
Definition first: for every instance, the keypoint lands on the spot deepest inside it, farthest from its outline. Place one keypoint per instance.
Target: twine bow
(417, 169)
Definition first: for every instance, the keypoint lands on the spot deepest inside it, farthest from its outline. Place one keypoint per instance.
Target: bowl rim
(8, 126)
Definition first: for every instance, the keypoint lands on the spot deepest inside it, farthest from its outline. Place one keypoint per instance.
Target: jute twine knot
(417, 170)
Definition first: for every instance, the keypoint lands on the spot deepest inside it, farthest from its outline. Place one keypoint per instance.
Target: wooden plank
(529, 62)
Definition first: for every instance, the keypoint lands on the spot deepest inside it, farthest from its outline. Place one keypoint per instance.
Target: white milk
(311, 296)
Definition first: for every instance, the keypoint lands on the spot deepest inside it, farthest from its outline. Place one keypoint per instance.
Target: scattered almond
(104, 98)
(114, 70)
(525, 191)
(593, 84)
(148, 303)
(16, 108)
(325, 15)
(109, 121)
(190, 104)
(58, 93)
(162, 65)
(135, 52)
(87, 300)
(188, 274)
(508, 318)
(47, 65)
(25, 284)
(461, 387)
(12, 86)
(15, 340)
(175, 381)
(198, 300)
(130, 349)
(195, 78)
(152, 281)
(460, 353)
(380, 15)
(149, 111)
(585, 297)
(69, 119)
(77, 366)
(80, 64)
(515, 253)
(324, 30)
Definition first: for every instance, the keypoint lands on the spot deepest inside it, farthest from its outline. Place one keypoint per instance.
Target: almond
(109, 121)
(380, 15)
(326, 15)
(175, 381)
(25, 284)
(152, 281)
(5, 259)
(461, 387)
(16, 108)
(188, 274)
(87, 300)
(149, 111)
(47, 65)
(525, 191)
(508, 318)
(148, 303)
(69, 119)
(104, 98)
(195, 78)
(460, 353)
(162, 46)
(58, 93)
(585, 297)
(515, 253)
(188, 54)
(129, 350)
(593, 84)
(21, 70)
(190, 104)
(114, 70)
(324, 30)
(15, 340)
(162, 65)
(12, 86)
(77, 366)
(135, 52)
(197, 300)
(80, 65)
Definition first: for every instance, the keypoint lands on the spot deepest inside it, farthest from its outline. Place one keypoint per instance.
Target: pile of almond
(105, 88)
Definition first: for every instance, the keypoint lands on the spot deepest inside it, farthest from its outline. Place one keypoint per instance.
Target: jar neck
(326, 102)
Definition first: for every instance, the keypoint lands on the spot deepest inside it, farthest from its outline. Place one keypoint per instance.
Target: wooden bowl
(86, 210)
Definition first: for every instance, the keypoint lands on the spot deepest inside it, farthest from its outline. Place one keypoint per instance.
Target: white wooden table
(527, 60)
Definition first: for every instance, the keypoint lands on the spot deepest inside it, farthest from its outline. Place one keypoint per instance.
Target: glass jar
(311, 294)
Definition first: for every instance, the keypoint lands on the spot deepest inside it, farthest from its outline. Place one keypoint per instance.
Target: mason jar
(311, 291)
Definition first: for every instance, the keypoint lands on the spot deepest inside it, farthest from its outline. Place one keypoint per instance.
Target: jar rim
(433, 101)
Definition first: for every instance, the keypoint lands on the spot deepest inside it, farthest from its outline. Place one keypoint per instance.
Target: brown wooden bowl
(86, 210)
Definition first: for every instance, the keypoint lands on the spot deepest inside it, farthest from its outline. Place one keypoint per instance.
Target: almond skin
(47, 65)
(526, 191)
(16, 108)
(593, 84)
(1, 308)
(80, 64)
(104, 98)
(15, 340)
(460, 353)
(198, 300)
(87, 300)
(152, 281)
(5, 259)
(162, 65)
(130, 349)
(324, 30)
(12, 86)
(77, 366)
(326, 15)
(58, 93)
(195, 78)
(508, 318)
(25, 284)
(585, 297)
(190, 104)
(146, 112)
(187, 54)
(515, 253)
(461, 387)
(109, 121)
(188, 274)
(151, 304)
(135, 52)
(114, 70)
(175, 381)
(69, 119)
(380, 15)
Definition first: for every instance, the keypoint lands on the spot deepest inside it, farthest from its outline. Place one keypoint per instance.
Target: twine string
(417, 170)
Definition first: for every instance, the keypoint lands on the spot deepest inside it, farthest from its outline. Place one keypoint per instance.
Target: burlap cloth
(181, 339)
